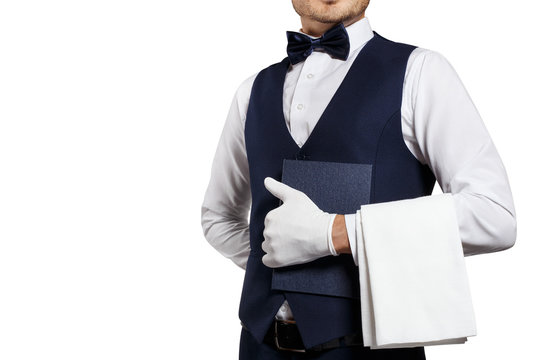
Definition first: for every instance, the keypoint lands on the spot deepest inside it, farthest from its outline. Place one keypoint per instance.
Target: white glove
(297, 231)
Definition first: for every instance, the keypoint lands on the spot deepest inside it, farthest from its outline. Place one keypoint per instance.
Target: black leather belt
(284, 335)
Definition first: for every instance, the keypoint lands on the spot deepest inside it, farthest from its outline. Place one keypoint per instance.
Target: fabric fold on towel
(414, 289)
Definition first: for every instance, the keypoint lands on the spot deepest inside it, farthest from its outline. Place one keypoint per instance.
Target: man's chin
(326, 19)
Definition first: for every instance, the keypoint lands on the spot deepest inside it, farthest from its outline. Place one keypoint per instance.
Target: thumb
(278, 189)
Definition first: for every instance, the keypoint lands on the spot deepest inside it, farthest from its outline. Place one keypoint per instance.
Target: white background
(110, 112)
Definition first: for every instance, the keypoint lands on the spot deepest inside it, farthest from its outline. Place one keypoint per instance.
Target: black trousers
(251, 350)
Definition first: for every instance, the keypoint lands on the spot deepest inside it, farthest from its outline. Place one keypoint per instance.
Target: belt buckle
(279, 347)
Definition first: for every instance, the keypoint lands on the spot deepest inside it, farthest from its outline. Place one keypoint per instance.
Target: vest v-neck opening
(323, 116)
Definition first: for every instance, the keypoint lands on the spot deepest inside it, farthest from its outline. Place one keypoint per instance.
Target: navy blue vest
(361, 124)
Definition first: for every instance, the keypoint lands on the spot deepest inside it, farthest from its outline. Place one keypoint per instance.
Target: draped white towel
(413, 280)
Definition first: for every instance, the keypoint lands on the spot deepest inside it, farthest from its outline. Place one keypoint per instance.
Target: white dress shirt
(440, 125)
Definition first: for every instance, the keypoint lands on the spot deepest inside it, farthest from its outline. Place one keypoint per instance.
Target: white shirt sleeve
(227, 201)
(448, 134)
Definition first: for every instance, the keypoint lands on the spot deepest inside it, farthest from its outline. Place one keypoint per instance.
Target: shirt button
(309, 76)
(300, 143)
(283, 308)
(300, 106)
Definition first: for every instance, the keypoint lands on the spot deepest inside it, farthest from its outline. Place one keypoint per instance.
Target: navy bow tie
(335, 42)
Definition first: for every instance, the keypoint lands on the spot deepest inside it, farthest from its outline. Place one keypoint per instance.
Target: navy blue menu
(335, 188)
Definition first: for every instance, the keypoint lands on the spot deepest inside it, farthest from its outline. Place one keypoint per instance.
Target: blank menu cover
(335, 188)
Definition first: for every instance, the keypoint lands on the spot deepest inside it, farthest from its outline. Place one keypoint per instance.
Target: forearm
(485, 225)
(229, 236)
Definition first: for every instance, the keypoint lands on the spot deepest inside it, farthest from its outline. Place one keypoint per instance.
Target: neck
(316, 28)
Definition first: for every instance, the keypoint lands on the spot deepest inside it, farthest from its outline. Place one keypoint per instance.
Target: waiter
(344, 94)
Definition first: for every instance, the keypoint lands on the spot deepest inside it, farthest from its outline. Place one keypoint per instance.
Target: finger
(267, 219)
(264, 246)
(278, 189)
(265, 260)
(268, 261)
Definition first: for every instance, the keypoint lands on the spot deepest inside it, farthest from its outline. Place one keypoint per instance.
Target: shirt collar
(359, 33)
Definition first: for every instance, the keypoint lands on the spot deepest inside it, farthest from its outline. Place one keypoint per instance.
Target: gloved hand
(297, 231)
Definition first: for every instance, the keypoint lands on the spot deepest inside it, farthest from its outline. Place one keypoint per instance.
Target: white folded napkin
(414, 289)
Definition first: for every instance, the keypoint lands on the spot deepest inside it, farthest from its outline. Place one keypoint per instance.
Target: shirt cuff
(352, 233)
